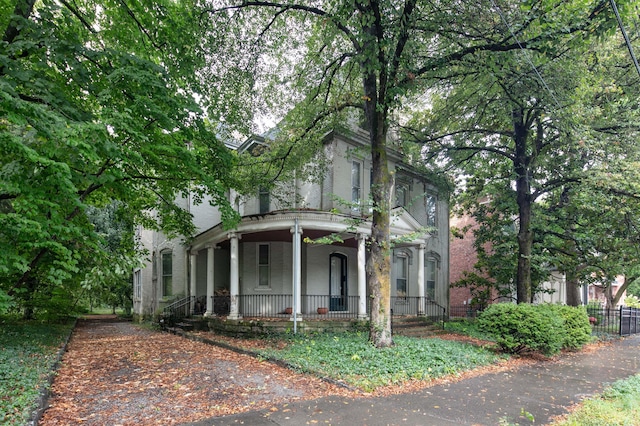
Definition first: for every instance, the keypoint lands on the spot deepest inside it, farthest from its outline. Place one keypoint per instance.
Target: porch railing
(317, 306)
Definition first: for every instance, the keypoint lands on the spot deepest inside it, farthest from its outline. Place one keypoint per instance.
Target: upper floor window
(356, 187)
(263, 265)
(431, 203)
(402, 194)
(264, 200)
(167, 273)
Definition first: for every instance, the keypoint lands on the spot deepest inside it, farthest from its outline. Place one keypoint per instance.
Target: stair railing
(176, 311)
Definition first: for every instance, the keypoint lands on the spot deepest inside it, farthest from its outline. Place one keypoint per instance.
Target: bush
(523, 327)
(577, 329)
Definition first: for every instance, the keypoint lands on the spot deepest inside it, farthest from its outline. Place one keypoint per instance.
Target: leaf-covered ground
(117, 373)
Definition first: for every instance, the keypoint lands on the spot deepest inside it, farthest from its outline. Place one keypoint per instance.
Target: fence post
(620, 323)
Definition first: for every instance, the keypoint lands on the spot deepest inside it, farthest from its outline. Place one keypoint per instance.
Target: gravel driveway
(118, 373)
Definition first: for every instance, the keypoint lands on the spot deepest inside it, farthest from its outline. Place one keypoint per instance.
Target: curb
(42, 402)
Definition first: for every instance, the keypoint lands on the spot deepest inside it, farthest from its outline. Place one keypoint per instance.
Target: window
(402, 194)
(264, 200)
(263, 265)
(355, 186)
(432, 264)
(137, 284)
(402, 275)
(167, 273)
(431, 202)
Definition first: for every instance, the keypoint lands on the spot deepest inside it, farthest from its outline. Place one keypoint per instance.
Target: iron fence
(464, 311)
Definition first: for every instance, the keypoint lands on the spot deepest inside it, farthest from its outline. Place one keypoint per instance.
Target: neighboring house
(464, 257)
(274, 260)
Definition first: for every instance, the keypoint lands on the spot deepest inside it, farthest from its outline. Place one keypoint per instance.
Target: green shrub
(577, 330)
(523, 327)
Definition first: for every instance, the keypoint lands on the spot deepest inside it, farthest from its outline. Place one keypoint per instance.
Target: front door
(338, 282)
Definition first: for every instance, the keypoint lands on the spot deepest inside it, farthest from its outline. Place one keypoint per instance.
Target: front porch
(275, 312)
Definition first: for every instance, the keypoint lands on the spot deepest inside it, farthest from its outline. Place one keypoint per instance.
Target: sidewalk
(544, 390)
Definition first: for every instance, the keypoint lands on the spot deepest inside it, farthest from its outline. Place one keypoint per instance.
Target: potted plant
(323, 310)
(288, 311)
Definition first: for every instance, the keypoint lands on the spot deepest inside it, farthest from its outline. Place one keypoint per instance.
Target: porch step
(412, 327)
(185, 325)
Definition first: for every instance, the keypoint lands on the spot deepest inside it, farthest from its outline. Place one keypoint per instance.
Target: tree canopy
(541, 141)
(318, 61)
(97, 103)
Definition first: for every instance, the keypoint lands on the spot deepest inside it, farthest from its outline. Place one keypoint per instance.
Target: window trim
(427, 197)
(259, 267)
(356, 204)
(164, 275)
(434, 261)
(404, 257)
(264, 196)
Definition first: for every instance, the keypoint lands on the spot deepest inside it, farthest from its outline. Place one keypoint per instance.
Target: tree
(97, 104)
(507, 123)
(318, 60)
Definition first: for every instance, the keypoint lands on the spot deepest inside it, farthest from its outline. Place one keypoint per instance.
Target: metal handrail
(176, 311)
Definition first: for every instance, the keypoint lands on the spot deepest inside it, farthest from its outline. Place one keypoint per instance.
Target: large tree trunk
(523, 195)
(375, 109)
(379, 265)
(573, 289)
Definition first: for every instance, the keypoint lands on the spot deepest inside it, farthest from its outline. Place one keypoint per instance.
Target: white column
(192, 280)
(234, 277)
(297, 269)
(421, 305)
(362, 277)
(210, 282)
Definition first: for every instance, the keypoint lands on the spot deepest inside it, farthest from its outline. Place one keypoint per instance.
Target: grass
(619, 404)
(349, 357)
(28, 351)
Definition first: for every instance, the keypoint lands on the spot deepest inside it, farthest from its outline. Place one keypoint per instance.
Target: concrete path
(542, 390)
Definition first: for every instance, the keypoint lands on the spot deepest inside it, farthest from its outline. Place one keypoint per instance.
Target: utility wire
(624, 34)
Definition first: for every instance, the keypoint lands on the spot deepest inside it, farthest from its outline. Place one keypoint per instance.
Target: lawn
(350, 358)
(28, 351)
(619, 404)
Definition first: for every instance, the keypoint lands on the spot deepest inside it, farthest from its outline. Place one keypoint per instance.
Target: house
(276, 262)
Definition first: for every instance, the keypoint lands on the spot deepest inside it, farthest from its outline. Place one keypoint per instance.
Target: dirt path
(117, 373)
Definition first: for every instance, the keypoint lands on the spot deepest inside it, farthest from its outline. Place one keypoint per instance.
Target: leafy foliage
(351, 358)
(96, 104)
(523, 327)
(27, 353)
(575, 324)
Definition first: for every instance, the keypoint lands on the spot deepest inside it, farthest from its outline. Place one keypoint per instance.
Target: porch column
(234, 277)
(192, 280)
(422, 302)
(297, 268)
(362, 277)
(210, 283)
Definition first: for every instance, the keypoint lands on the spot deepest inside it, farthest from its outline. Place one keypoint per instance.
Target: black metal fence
(623, 320)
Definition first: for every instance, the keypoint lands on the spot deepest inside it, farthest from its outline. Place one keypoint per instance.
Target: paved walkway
(544, 390)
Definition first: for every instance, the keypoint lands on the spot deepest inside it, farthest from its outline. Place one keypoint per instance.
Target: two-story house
(277, 261)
